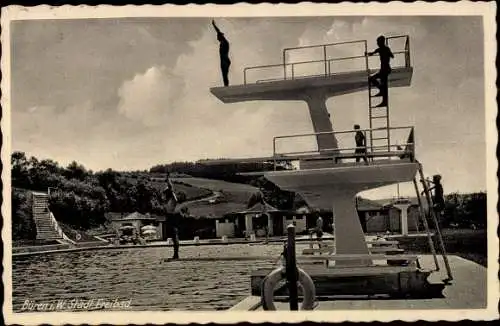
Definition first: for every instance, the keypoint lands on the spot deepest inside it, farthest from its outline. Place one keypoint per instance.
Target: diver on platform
(224, 54)
(385, 55)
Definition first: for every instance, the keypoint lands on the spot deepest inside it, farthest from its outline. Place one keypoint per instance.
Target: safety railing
(404, 149)
(288, 69)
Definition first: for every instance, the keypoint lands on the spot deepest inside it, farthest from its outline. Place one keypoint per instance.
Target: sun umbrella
(149, 231)
(148, 227)
(127, 227)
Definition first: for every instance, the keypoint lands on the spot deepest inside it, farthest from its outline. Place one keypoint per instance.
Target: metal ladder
(378, 117)
(379, 121)
(433, 216)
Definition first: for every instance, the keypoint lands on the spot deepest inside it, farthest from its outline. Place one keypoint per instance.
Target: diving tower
(288, 81)
(324, 178)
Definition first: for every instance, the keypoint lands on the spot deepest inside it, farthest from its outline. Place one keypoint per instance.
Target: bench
(400, 153)
(382, 243)
(394, 260)
(389, 250)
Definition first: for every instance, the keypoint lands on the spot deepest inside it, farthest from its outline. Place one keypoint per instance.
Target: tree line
(80, 197)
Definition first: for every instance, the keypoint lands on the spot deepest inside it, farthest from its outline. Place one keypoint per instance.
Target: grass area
(465, 243)
(232, 192)
(72, 234)
(192, 192)
(480, 259)
(30, 243)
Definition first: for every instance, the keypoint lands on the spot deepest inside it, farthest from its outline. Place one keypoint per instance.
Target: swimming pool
(141, 275)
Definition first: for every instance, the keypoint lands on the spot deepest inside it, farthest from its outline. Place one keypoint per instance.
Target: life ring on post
(269, 284)
(78, 237)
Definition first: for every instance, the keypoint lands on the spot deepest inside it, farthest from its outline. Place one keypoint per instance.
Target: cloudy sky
(132, 93)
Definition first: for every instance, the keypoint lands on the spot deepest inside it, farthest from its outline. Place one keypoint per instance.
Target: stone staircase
(46, 226)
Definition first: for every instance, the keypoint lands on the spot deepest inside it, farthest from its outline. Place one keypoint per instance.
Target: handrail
(324, 45)
(327, 62)
(340, 149)
(340, 132)
(406, 147)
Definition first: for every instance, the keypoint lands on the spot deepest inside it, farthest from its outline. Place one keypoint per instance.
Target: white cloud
(150, 97)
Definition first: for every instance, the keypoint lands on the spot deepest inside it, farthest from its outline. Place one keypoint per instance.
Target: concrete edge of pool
(113, 247)
(42, 250)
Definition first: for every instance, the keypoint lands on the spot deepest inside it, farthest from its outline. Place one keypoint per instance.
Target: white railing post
(284, 64)
(274, 153)
(324, 55)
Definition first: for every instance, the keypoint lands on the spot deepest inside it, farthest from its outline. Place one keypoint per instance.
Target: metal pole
(324, 54)
(291, 269)
(426, 225)
(274, 153)
(367, 67)
(284, 64)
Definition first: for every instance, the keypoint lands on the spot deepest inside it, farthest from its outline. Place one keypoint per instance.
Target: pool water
(141, 275)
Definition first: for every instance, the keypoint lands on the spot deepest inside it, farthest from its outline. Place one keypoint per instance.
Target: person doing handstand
(224, 54)
(385, 55)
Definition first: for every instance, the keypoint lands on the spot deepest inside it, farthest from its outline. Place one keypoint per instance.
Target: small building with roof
(384, 215)
(138, 221)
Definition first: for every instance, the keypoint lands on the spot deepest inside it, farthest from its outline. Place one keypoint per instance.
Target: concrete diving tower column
(337, 187)
(315, 91)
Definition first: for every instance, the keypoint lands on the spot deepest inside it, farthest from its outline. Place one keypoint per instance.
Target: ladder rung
(380, 138)
(379, 117)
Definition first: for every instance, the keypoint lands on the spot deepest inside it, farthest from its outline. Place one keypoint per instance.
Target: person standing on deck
(318, 229)
(224, 54)
(360, 144)
(385, 55)
(170, 210)
(176, 243)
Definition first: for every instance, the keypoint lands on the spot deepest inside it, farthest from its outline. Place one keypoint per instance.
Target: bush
(23, 225)
(465, 210)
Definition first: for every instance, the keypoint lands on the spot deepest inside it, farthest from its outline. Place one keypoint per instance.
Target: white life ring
(78, 237)
(304, 281)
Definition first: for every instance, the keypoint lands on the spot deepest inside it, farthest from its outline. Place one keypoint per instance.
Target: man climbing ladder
(385, 55)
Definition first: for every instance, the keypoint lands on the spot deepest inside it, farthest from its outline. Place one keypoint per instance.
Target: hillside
(192, 192)
(227, 197)
(235, 192)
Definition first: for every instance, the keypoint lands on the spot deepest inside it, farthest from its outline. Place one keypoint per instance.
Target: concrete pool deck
(50, 249)
(468, 290)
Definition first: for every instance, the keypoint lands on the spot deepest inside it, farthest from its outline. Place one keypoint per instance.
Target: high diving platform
(330, 174)
(292, 81)
(292, 88)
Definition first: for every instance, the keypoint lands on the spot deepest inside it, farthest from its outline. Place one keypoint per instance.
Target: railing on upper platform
(405, 149)
(325, 63)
